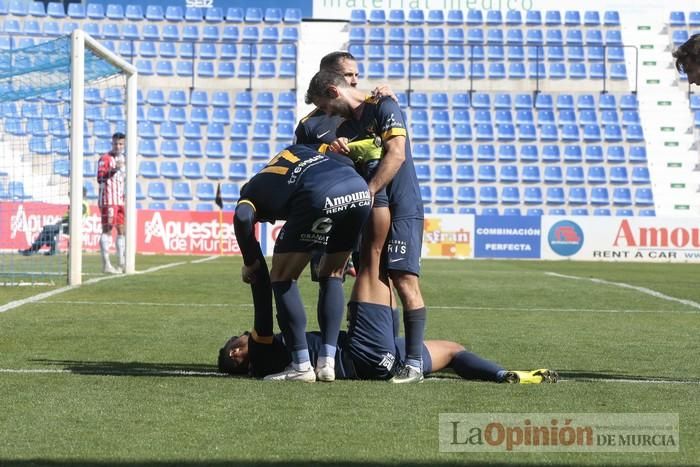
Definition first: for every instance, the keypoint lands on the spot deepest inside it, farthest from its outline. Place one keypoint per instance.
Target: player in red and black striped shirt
(110, 177)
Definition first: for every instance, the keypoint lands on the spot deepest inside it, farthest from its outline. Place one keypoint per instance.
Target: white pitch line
(51, 293)
(152, 372)
(643, 290)
(88, 372)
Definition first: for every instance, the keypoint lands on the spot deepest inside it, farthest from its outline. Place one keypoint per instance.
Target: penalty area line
(623, 285)
(36, 298)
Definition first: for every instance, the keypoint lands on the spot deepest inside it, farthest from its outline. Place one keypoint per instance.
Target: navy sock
(262, 300)
(291, 315)
(414, 326)
(397, 323)
(331, 305)
(470, 366)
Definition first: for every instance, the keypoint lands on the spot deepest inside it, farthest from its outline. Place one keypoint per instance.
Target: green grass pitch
(119, 350)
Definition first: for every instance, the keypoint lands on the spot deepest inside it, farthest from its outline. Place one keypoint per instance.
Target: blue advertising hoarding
(507, 237)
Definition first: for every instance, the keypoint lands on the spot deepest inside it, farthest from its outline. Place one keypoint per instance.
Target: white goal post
(80, 41)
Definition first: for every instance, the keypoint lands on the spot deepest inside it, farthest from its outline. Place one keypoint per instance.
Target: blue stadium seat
(192, 131)
(527, 132)
(358, 16)
(508, 174)
(443, 152)
(239, 150)
(215, 131)
(423, 172)
(555, 195)
(618, 175)
(182, 191)
(677, 19)
(551, 153)
(640, 175)
(237, 171)
(611, 18)
(488, 195)
(192, 170)
(530, 174)
(510, 195)
(443, 173)
(622, 197)
(643, 197)
(624, 212)
(573, 154)
(426, 194)
(442, 132)
(533, 195)
(465, 173)
(638, 154)
(464, 152)
(591, 18)
(421, 152)
(229, 191)
(214, 171)
(507, 153)
(60, 167)
(634, 133)
(553, 174)
(529, 153)
(170, 148)
(157, 191)
(596, 175)
(486, 173)
(466, 195)
(170, 169)
(574, 175)
(193, 149)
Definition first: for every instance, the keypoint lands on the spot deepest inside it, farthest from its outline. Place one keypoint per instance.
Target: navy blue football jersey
(316, 127)
(382, 117)
(273, 357)
(296, 169)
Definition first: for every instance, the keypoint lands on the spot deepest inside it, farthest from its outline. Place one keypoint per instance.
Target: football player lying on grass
(369, 350)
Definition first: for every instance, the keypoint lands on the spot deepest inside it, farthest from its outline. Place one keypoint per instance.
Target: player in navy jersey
(392, 239)
(369, 350)
(325, 203)
(317, 127)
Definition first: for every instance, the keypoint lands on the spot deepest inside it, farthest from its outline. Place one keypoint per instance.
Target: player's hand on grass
(340, 145)
(249, 273)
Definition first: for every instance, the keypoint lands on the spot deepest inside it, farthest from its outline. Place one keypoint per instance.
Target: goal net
(60, 103)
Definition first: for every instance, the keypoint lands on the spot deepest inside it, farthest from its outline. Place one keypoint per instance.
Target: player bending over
(325, 204)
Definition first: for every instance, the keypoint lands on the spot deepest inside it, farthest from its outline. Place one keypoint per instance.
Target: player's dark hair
(331, 62)
(118, 135)
(688, 53)
(225, 363)
(321, 83)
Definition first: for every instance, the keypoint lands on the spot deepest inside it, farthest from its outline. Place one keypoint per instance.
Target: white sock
(303, 366)
(105, 243)
(121, 250)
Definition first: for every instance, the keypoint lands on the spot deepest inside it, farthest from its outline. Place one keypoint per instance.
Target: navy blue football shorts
(371, 342)
(374, 351)
(327, 216)
(404, 245)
